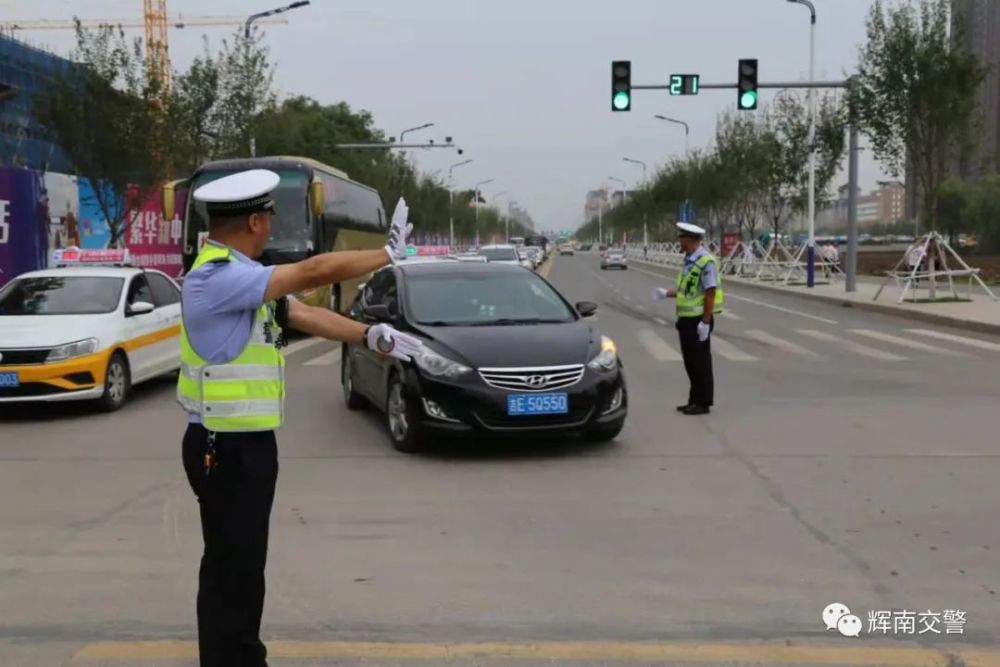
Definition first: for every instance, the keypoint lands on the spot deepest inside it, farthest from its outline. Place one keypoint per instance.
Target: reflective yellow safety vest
(690, 295)
(245, 394)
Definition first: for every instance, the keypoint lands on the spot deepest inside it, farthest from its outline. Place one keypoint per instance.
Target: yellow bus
(318, 208)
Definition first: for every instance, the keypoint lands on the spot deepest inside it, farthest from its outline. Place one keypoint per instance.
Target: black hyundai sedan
(504, 354)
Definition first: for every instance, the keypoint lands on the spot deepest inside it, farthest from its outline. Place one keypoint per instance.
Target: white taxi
(87, 329)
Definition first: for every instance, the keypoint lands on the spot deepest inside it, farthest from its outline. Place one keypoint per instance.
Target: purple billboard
(24, 223)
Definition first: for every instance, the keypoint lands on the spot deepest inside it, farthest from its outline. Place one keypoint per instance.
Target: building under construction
(25, 72)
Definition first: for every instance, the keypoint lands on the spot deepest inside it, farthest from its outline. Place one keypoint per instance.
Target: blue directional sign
(685, 211)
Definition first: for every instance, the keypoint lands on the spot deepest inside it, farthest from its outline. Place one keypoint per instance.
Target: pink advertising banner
(153, 242)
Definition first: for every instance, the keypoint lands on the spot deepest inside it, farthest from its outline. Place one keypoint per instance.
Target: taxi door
(140, 330)
(167, 299)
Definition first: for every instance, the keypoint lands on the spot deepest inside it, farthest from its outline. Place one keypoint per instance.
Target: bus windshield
(290, 225)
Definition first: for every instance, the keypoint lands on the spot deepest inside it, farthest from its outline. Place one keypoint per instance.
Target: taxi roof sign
(76, 257)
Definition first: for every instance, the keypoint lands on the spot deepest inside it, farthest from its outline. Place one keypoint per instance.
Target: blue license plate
(10, 380)
(538, 404)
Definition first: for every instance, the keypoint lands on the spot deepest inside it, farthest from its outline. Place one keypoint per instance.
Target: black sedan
(504, 354)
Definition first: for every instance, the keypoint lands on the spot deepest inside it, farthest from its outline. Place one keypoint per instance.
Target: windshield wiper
(436, 323)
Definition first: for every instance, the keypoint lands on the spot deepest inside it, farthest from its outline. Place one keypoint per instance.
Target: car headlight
(70, 350)
(437, 365)
(607, 358)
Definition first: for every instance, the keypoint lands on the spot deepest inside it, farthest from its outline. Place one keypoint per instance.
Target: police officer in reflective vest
(232, 385)
(699, 298)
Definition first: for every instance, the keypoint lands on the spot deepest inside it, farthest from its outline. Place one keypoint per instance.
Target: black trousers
(697, 361)
(235, 503)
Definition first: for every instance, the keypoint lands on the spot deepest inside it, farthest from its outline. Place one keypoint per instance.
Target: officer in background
(699, 298)
(232, 385)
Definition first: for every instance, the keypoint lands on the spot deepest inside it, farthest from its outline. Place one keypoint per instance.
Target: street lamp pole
(479, 185)
(246, 35)
(497, 196)
(645, 233)
(510, 213)
(402, 134)
(811, 247)
(687, 132)
(451, 202)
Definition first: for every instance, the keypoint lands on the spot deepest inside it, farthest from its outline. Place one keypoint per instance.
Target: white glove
(704, 329)
(383, 339)
(660, 293)
(399, 232)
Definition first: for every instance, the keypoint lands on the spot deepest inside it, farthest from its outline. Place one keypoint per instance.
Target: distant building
(885, 205)
(595, 200)
(25, 73)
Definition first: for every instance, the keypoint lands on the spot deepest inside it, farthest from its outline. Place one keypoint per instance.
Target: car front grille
(23, 356)
(545, 378)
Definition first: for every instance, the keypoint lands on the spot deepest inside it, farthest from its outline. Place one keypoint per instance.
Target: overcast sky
(522, 85)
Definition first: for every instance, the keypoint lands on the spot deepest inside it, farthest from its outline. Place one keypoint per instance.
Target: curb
(885, 309)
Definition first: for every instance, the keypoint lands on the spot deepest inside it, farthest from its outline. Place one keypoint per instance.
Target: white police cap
(242, 193)
(689, 229)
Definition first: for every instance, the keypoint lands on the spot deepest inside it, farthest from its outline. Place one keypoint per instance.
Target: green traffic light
(621, 100)
(748, 100)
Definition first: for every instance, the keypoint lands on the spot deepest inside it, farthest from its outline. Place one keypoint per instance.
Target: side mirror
(316, 197)
(586, 308)
(379, 313)
(168, 193)
(140, 308)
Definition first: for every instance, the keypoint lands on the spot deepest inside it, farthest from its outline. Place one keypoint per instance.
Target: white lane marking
(656, 346)
(782, 309)
(728, 314)
(856, 348)
(302, 344)
(660, 321)
(627, 297)
(780, 343)
(754, 301)
(906, 342)
(327, 359)
(971, 342)
(730, 351)
(642, 308)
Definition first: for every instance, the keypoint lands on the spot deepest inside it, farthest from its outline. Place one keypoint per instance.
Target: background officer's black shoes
(696, 410)
(684, 408)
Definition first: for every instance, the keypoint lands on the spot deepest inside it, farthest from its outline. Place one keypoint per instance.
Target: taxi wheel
(354, 400)
(117, 383)
(402, 419)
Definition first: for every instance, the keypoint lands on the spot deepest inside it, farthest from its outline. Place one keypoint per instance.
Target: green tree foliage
(916, 94)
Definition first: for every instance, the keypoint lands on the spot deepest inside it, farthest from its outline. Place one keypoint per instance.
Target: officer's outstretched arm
(324, 269)
(324, 323)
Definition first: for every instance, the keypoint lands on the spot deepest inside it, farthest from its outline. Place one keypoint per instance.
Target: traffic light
(621, 85)
(747, 88)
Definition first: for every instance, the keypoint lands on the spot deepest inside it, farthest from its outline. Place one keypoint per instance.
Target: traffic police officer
(232, 385)
(699, 298)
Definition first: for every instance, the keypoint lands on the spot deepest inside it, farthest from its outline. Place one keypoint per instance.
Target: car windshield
(290, 223)
(499, 254)
(60, 295)
(484, 299)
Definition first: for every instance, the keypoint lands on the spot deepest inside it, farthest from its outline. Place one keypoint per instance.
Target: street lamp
(497, 196)
(451, 202)
(687, 131)
(811, 247)
(479, 185)
(640, 163)
(271, 12)
(645, 235)
(246, 34)
(414, 129)
(624, 187)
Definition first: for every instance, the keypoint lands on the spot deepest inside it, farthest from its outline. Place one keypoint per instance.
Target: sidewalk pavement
(980, 314)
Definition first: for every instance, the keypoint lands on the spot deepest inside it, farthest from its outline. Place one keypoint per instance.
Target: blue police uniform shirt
(709, 274)
(219, 301)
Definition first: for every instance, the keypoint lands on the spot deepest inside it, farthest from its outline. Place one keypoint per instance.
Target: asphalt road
(851, 458)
